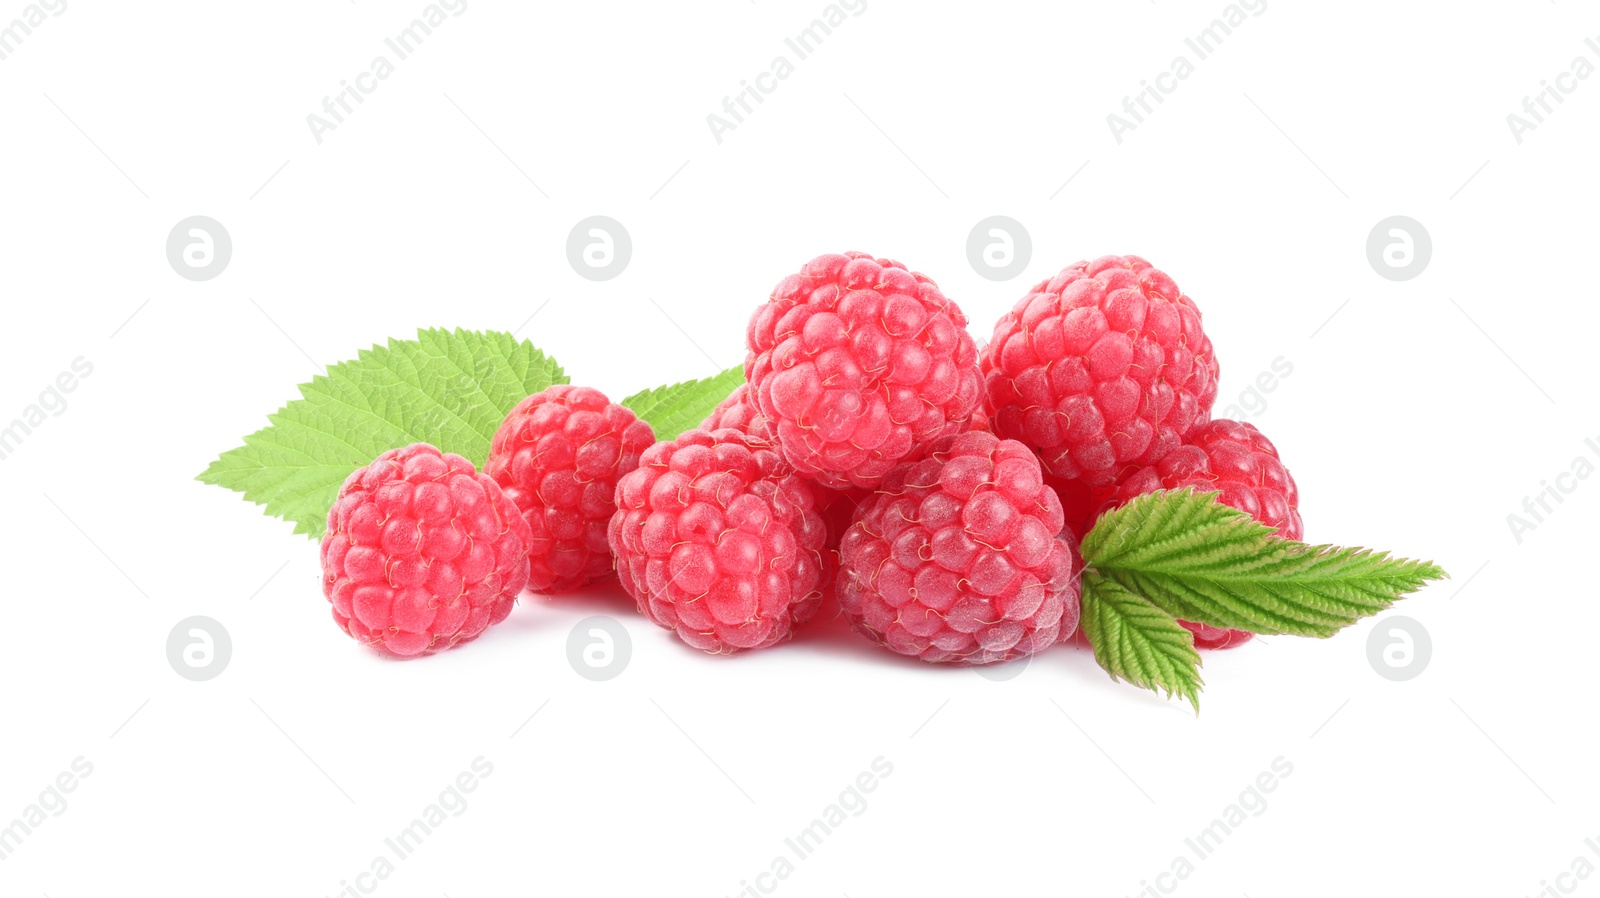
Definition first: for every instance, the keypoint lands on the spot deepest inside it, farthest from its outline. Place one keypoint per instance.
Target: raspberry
(1080, 503)
(422, 552)
(979, 421)
(739, 412)
(856, 361)
(959, 557)
(718, 539)
(1236, 459)
(558, 456)
(1209, 637)
(838, 510)
(1100, 369)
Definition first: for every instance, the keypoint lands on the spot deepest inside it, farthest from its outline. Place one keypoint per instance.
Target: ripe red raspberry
(558, 456)
(979, 421)
(1100, 369)
(838, 510)
(718, 539)
(960, 556)
(422, 552)
(1080, 503)
(856, 361)
(739, 412)
(1236, 459)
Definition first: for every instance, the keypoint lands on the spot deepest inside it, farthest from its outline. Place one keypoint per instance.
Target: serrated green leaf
(674, 408)
(1202, 561)
(448, 388)
(1136, 641)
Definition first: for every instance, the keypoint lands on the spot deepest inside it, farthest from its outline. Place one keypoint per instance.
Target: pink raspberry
(558, 456)
(856, 361)
(979, 421)
(1100, 369)
(1236, 459)
(1080, 502)
(739, 412)
(718, 539)
(422, 552)
(960, 556)
(838, 510)
(1209, 637)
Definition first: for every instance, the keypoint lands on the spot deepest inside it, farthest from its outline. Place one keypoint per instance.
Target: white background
(1418, 415)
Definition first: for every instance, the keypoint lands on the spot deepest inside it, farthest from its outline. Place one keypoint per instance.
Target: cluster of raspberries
(874, 462)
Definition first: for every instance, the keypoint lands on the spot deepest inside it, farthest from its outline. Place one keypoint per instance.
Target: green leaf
(672, 409)
(1201, 561)
(1138, 642)
(448, 388)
